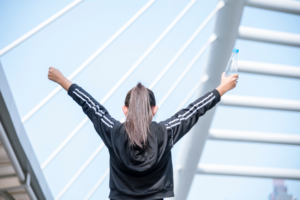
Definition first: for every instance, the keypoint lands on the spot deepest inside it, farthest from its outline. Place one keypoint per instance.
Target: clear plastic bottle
(232, 64)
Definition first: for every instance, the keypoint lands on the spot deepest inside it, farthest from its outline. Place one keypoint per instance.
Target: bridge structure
(226, 17)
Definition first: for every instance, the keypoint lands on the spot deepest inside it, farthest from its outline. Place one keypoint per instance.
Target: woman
(139, 148)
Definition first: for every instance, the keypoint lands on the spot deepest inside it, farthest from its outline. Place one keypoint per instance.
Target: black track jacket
(137, 173)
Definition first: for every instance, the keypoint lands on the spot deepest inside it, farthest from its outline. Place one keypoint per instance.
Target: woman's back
(141, 173)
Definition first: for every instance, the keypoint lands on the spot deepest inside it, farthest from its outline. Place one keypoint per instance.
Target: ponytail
(139, 101)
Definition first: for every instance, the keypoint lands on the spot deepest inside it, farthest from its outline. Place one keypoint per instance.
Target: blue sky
(69, 41)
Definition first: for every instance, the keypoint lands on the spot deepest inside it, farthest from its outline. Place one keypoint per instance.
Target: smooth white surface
(269, 36)
(39, 27)
(260, 102)
(259, 172)
(286, 6)
(254, 136)
(269, 69)
(89, 60)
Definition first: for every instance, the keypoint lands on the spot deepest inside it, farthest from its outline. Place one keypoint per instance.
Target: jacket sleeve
(102, 121)
(183, 120)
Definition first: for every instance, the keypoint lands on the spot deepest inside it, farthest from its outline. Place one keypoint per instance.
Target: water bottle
(232, 64)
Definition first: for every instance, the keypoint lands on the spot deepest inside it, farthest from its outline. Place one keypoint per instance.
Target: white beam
(186, 70)
(269, 69)
(260, 102)
(120, 82)
(192, 92)
(187, 43)
(89, 60)
(292, 7)
(185, 46)
(79, 172)
(274, 37)
(97, 185)
(253, 136)
(258, 172)
(39, 27)
(227, 23)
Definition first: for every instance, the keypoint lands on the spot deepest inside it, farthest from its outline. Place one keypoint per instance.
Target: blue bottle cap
(235, 51)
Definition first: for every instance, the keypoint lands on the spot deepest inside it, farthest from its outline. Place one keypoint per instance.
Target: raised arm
(182, 121)
(102, 121)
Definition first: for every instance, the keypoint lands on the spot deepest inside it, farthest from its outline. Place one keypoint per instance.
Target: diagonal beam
(187, 43)
(97, 185)
(186, 70)
(39, 27)
(89, 60)
(80, 171)
(192, 92)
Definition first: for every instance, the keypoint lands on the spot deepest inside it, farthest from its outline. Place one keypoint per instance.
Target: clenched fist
(227, 83)
(55, 75)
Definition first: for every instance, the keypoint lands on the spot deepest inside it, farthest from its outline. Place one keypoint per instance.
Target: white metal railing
(254, 136)
(286, 6)
(274, 37)
(39, 27)
(260, 102)
(89, 60)
(148, 51)
(259, 172)
(269, 69)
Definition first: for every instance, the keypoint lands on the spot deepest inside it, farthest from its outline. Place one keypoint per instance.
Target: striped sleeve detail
(95, 107)
(190, 112)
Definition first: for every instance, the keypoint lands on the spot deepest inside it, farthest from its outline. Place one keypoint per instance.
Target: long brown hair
(139, 101)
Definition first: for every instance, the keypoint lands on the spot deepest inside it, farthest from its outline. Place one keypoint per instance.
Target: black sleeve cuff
(217, 94)
(72, 88)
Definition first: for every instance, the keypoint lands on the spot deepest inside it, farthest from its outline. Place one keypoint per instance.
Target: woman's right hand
(227, 83)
